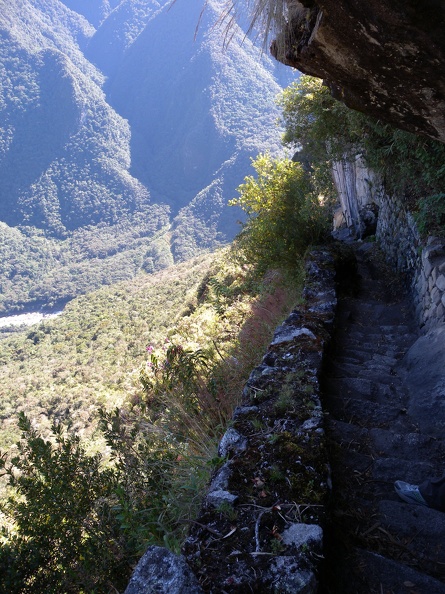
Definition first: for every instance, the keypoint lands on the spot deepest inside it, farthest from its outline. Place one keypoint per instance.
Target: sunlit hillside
(85, 358)
(92, 354)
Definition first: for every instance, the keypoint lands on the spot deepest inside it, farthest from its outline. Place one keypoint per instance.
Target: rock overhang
(385, 59)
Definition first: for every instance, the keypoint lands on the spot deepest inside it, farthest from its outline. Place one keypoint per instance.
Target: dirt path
(376, 543)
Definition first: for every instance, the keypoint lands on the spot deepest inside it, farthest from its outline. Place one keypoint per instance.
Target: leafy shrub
(76, 525)
(159, 480)
(430, 217)
(62, 537)
(285, 213)
(161, 444)
(317, 124)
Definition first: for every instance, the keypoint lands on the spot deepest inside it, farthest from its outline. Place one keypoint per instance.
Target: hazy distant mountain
(94, 10)
(65, 153)
(110, 109)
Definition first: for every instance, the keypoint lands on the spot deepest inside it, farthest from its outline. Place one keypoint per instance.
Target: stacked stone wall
(429, 284)
(398, 236)
(421, 264)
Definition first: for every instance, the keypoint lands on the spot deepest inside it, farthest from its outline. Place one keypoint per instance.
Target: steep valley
(124, 137)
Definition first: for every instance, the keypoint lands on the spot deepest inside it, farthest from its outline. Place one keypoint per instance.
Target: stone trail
(375, 542)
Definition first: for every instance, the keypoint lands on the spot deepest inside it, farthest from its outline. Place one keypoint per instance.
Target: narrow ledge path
(375, 543)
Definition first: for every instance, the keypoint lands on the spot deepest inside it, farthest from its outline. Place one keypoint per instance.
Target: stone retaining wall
(398, 236)
(423, 266)
(429, 284)
(260, 528)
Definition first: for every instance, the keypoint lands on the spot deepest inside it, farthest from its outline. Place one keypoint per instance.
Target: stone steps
(364, 388)
(380, 574)
(393, 547)
(386, 442)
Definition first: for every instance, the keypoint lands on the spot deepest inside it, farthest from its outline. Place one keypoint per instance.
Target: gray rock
(221, 479)
(241, 411)
(435, 248)
(435, 295)
(232, 442)
(425, 378)
(162, 572)
(380, 570)
(313, 423)
(287, 333)
(287, 577)
(299, 535)
(219, 497)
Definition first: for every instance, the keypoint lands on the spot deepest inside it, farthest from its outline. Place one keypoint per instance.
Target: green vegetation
(64, 152)
(63, 520)
(147, 371)
(68, 366)
(117, 405)
(165, 356)
(325, 130)
(104, 173)
(152, 369)
(38, 270)
(286, 213)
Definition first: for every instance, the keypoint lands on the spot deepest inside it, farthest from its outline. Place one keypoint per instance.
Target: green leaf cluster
(286, 213)
(317, 125)
(63, 537)
(77, 522)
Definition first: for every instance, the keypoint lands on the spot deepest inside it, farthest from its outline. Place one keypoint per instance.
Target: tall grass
(169, 432)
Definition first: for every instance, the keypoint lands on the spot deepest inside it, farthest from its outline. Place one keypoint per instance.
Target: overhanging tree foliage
(324, 130)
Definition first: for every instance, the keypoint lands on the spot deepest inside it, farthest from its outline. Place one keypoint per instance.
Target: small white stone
(298, 535)
(284, 334)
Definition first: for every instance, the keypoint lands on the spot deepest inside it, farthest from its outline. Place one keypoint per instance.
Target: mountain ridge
(156, 134)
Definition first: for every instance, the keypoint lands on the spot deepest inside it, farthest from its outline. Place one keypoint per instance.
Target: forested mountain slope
(91, 355)
(95, 12)
(120, 132)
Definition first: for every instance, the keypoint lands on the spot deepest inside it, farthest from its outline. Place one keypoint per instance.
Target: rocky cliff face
(358, 189)
(386, 59)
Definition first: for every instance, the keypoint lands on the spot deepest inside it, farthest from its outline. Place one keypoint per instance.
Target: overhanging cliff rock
(386, 59)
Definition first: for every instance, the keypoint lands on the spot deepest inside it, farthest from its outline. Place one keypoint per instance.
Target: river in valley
(26, 319)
